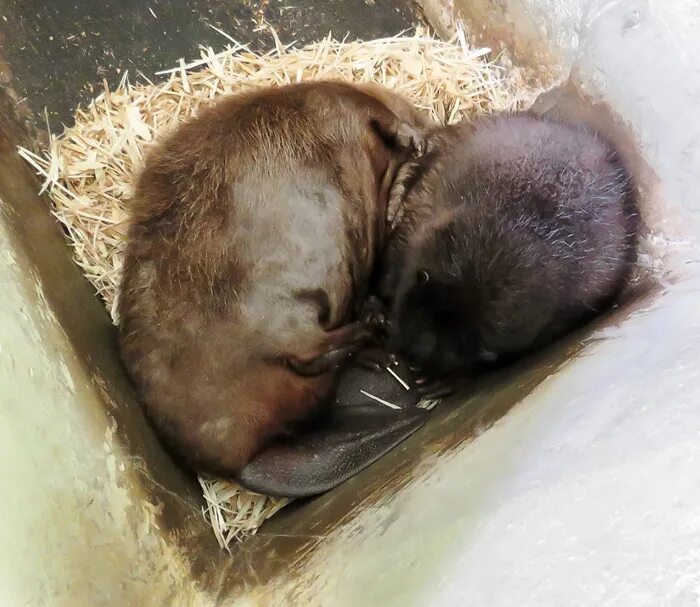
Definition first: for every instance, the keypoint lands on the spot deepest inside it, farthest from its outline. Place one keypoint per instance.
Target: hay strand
(89, 170)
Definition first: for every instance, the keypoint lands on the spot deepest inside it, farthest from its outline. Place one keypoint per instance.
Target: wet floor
(56, 54)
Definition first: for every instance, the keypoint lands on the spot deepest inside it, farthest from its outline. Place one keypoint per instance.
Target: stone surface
(56, 54)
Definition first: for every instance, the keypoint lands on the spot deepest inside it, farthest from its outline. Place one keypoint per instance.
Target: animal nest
(89, 170)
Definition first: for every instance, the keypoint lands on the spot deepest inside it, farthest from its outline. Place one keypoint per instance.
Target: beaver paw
(410, 138)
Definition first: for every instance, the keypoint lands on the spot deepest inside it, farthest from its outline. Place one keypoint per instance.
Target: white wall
(588, 492)
(77, 528)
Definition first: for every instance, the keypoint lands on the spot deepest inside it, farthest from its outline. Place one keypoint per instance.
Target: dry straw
(89, 169)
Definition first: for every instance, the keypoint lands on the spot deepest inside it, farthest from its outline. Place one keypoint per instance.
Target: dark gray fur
(524, 229)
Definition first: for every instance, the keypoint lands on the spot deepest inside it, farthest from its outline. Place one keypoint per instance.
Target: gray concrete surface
(94, 511)
(570, 480)
(56, 54)
(587, 492)
(79, 527)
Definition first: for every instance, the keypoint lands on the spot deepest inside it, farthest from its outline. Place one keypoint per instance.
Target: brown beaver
(255, 229)
(508, 232)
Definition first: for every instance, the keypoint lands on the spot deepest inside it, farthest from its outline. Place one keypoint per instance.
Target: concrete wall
(79, 525)
(586, 493)
(571, 480)
(639, 57)
(92, 510)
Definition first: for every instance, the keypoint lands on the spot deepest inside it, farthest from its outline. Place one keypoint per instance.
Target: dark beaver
(509, 232)
(255, 229)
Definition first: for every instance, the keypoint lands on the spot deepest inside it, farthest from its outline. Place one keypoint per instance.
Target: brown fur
(255, 229)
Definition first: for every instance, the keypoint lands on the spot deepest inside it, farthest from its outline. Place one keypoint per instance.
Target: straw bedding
(89, 169)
